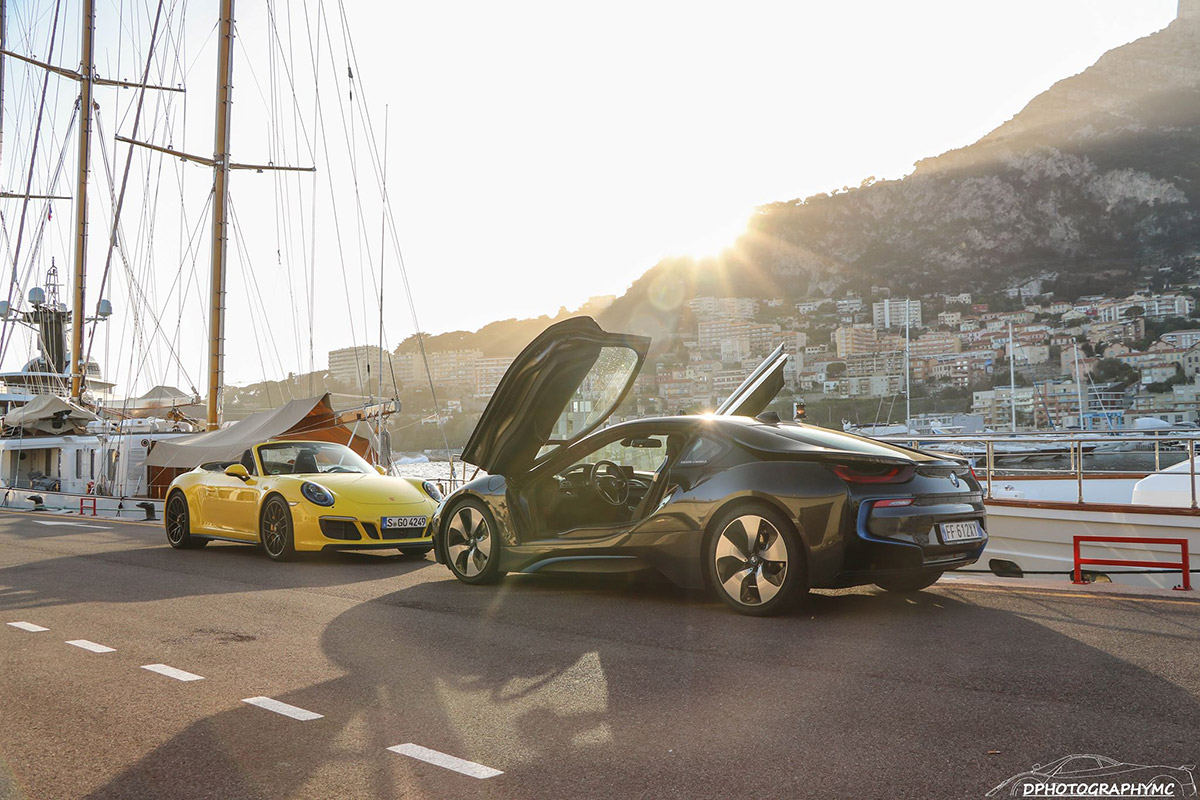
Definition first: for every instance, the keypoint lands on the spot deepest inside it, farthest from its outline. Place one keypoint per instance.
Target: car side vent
(343, 529)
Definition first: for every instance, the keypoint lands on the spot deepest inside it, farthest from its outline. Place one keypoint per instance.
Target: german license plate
(391, 523)
(959, 531)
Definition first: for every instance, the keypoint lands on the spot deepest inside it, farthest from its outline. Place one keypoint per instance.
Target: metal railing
(1184, 565)
(985, 451)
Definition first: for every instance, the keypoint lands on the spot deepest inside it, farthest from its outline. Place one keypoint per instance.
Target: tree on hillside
(1110, 370)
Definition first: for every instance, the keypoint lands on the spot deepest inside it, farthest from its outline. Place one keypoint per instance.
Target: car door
(561, 387)
(758, 390)
(231, 504)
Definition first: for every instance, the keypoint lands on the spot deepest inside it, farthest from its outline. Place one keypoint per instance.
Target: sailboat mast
(1012, 377)
(907, 367)
(86, 71)
(216, 328)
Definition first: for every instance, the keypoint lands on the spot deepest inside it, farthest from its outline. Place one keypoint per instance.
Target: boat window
(91, 463)
(79, 463)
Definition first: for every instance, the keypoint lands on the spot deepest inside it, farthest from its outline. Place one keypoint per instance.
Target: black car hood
(520, 416)
(758, 390)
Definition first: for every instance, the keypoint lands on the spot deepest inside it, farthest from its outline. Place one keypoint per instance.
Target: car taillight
(899, 501)
(881, 474)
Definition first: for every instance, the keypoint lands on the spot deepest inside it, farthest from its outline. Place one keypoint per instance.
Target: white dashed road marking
(294, 712)
(92, 646)
(171, 672)
(73, 524)
(448, 762)
(28, 626)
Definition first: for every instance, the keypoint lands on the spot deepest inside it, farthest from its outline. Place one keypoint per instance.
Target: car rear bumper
(905, 539)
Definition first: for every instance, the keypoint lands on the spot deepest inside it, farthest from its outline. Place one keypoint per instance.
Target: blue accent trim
(535, 566)
(864, 511)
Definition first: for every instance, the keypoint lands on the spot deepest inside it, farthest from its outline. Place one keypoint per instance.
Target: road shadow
(590, 686)
(161, 573)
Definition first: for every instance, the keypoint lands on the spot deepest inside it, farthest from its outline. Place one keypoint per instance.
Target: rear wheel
(178, 524)
(911, 582)
(472, 546)
(755, 561)
(275, 530)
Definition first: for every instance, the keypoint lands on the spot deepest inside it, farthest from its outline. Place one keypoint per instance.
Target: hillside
(1096, 179)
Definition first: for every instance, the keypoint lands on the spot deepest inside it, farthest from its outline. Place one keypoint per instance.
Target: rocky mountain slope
(1096, 178)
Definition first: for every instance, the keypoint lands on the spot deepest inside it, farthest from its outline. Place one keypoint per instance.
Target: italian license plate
(959, 531)
(391, 523)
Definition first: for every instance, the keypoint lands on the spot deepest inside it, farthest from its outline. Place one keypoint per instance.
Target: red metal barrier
(1184, 565)
(85, 501)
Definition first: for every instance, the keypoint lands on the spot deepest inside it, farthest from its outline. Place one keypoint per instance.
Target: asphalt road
(572, 687)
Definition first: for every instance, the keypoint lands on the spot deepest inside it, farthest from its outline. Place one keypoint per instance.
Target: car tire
(909, 582)
(275, 530)
(177, 522)
(473, 546)
(416, 551)
(752, 544)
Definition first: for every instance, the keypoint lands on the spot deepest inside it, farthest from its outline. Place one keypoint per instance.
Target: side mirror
(381, 469)
(238, 471)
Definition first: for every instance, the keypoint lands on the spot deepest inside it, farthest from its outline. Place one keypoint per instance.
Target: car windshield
(310, 458)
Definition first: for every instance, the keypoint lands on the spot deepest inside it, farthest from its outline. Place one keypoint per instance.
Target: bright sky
(543, 152)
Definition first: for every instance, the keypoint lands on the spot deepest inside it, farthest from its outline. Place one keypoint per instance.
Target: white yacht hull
(1039, 538)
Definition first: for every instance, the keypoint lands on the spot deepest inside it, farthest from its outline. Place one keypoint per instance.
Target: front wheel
(755, 561)
(178, 524)
(909, 582)
(275, 530)
(472, 546)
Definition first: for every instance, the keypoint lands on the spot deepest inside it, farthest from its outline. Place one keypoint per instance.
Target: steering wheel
(612, 485)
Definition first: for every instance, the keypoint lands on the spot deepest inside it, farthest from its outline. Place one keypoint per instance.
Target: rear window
(837, 440)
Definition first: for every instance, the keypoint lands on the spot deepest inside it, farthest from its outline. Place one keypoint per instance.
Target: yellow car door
(230, 506)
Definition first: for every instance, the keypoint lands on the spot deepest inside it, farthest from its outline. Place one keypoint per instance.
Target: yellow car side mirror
(380, 469)
(238, 471)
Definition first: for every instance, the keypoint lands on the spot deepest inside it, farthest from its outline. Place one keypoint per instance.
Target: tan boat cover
(49, 414)
(308, 418)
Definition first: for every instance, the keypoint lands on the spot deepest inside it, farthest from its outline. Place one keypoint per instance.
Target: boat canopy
(49, 414)
(309, 418)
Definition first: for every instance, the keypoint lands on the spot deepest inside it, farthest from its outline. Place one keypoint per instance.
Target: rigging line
(310, 285)
(244, 251)
(247, 276)
(44, 218)
(112, 239)
(5, 332)
(399, 251)
(141, 303)
(336, 219)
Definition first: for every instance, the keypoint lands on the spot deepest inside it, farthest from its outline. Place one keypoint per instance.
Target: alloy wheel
(751, 560)
(177, 521)
(468, 541)
(274, 529)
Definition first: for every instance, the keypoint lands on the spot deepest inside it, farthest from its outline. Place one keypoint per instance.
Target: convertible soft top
(307, 418)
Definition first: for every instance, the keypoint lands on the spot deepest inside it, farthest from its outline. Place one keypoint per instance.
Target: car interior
(616, 484)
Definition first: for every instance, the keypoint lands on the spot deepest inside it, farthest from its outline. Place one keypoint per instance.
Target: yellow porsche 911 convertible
(290, 496)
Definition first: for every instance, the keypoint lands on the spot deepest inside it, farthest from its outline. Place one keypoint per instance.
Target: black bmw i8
(756, 509)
